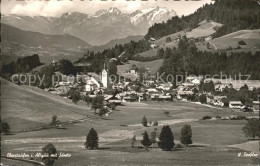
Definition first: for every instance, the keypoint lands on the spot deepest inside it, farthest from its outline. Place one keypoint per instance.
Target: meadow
(215, 142)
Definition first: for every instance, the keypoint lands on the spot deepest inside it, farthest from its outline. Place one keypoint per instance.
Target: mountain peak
(111, 10)
(114, 10)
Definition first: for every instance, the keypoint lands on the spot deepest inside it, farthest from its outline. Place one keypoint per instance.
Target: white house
(235, 104)
(91, 84)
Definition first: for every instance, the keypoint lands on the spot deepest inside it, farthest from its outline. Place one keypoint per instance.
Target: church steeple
(104, 76)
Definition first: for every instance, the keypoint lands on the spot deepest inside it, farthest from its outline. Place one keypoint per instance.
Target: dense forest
(187, 59)
(121, 52)
(234, 14)
(22, 65)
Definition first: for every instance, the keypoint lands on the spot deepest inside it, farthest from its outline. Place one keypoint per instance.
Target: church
(104, 77)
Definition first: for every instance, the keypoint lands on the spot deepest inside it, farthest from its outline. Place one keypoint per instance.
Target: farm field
(215, 142)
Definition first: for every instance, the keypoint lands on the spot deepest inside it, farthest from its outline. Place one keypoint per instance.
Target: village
(130, 87)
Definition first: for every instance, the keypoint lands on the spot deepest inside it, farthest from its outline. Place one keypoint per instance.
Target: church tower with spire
(104, 77)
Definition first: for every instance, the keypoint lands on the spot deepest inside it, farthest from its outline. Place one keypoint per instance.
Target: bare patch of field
(252, 146)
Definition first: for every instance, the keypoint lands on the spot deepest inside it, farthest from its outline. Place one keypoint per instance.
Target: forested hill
(234, 14)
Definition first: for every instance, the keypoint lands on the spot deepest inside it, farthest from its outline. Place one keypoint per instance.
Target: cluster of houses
(92, 84)
(190, 87)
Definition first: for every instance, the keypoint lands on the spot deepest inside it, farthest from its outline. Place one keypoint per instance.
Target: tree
(251, 128)
(146, 142)
(155, 123)
(52, 154)
(5, 128)
(166, 139)
(153, 135)
(66, 67)
(203, 99)
(208, 45)
(168, 39)
(133, 140)
(186, 135)
(242, 42)
(54, 120)
(112, 68)
(75, 95)
(92, 139)
(97, 102)
(144, 121)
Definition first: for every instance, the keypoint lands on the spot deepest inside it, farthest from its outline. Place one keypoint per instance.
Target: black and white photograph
(130, 82)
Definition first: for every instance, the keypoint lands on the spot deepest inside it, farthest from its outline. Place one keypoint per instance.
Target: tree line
(22, 65)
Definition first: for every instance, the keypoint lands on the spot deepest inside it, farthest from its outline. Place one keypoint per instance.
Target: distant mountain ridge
(97, 29)
(36, 39)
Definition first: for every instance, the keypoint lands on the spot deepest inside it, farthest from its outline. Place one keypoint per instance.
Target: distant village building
(133, 71)
(151, 39)
(208, 38)
(153, 46)
(195, 80)
(91, 84)
(235, 104)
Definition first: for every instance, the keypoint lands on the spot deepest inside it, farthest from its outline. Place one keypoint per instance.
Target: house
(112, 99)
(130, 98)
(91, 84)
(133, 71)
(208, 38)
(235, 104)
(161, 97)
(194, 80)
(153, 46)
(151, 39)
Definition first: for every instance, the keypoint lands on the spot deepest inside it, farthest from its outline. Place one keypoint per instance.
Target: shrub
(144, 121)
(251, 128)
(155, 123)
(52, 152)
(166, 113)
(133, 140)
(153, 135)
(5, 128)
(203, 99)
(242, 42)
(218, 117)
(206, 117)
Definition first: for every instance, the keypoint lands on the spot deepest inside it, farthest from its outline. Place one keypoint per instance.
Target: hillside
(12, 34)
(233, 14)
(18, 105)
(115, 42)
(251, 37)
(204, 29)
(152, 66)
(16, 43)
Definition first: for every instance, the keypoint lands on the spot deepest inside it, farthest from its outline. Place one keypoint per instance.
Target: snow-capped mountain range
(96, 29)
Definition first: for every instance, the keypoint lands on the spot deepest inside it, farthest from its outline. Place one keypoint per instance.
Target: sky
(55, 8)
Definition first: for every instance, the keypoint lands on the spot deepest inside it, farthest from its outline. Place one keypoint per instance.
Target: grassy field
(215, 142)
(153, 66)
(27, 108)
